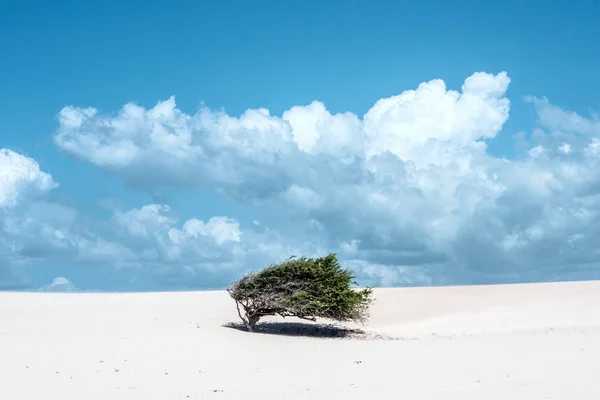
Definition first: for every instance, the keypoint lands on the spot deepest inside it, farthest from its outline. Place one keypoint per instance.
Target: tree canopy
(307, 288)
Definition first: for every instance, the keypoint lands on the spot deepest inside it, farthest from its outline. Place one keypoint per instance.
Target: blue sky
(426, 143)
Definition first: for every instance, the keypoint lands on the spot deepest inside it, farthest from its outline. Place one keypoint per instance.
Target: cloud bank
(406, 194)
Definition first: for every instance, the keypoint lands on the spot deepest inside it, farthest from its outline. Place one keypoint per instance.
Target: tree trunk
(252, 320)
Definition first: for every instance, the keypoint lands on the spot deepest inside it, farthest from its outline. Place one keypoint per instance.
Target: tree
(307, 288)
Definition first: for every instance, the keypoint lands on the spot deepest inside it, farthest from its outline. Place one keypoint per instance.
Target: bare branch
(237, 305)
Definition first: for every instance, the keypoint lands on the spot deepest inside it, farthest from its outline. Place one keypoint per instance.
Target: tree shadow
(299, 329)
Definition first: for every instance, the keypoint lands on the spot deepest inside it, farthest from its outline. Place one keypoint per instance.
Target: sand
(538, 341)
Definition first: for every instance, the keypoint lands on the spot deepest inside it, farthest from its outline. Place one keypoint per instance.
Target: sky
(176, 145)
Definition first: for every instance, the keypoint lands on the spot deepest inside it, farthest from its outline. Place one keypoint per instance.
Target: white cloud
(555, 118)
(21, 181)
(406, 194)
(59, 284)
(52, 233)
(373, 274)
(20, 176)
(146, 221)
(147, 240)
(197, 252)
(428, 126)
(153, 228)
(303, 197)
(34, 230)
(565, 148)
(422, 125)
(221, 229)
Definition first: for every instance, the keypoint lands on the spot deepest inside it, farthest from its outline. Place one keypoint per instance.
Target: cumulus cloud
(406, 194)
(194, 252)
(147, 241)
(33, 230)
(21, 181)
(150, 219)
(59, 284)
(397, 182)
(154, 235)
(50, 232)
(147, 244)
(20, 176)
(211, 147)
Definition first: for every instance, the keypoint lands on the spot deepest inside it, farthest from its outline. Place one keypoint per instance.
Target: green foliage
(307, 288)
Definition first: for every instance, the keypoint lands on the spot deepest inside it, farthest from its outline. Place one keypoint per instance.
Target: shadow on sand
(299, 329)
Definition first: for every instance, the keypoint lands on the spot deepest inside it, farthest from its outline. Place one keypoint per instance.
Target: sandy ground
(512, 342)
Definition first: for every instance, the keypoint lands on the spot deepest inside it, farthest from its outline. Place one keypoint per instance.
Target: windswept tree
(307, 288)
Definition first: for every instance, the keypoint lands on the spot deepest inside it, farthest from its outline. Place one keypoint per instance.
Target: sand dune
(539, 341)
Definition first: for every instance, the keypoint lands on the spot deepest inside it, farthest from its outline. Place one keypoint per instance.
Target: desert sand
(534, 341)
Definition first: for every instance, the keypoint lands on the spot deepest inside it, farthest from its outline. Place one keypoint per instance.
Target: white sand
(492, 342)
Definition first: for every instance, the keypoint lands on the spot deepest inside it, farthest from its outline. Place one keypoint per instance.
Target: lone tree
(307, 288)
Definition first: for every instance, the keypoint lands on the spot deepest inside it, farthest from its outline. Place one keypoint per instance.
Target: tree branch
(244, 320)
